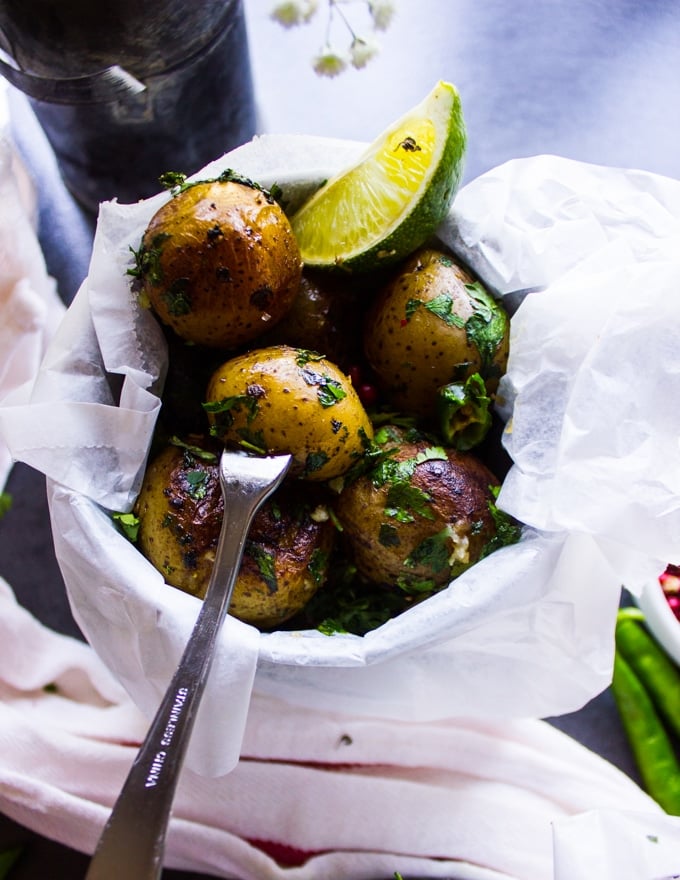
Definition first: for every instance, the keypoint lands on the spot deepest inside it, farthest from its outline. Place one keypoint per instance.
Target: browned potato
(283, 399)
(219, 263)
(180, 510)
(433, 324)
(323, 317)
(420, 517)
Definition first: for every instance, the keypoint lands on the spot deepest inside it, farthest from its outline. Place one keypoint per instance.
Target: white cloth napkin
(30, 308)
(318, 794)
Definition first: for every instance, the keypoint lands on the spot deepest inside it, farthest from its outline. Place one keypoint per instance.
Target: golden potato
(219, 263)
(433, 324)
(283, 399)
(180, 509)
(421, 516)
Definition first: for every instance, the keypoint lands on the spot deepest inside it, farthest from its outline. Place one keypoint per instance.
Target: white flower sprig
(357, 47)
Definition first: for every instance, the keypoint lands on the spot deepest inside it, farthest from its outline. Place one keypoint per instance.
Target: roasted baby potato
(323, 317)
(421, 516)
(432, 325)
(180, 509)
(219, 263)
(284, 399)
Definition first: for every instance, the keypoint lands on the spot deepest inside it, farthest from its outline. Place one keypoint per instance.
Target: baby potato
(431, 325)
(285, 560)
(420, 517)
(323, 317)
(282, 399)
(180, 509)
(219, 263)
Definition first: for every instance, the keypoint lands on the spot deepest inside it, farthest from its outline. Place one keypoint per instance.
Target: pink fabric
(315, 795)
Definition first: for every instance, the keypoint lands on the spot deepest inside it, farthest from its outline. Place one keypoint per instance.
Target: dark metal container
(128, 90)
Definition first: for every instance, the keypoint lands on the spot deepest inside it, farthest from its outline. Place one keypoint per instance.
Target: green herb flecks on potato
(282, 399)
(421, 516)
(431, 325)
(219, 263)
(179, 514)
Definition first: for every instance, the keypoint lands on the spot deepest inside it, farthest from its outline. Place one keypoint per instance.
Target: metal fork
(133, 841)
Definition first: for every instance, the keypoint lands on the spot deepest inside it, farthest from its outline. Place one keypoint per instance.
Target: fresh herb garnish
(177, 298)
(392, 471)
(405, 500)
(433, 553)
(266, 564)
(487, 326)
(198, 483)
(176, 182)
(315, 461)
(421, 587)
(349, 605)
(5, 503)
(305, 356)
(147, 260)
(128, 524)
(329, 390)
(508, 530)
(196, 451)
(318, 565)
(224, 410)
(442, 306)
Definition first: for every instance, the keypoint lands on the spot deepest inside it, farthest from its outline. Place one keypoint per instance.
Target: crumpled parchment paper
(591, 427)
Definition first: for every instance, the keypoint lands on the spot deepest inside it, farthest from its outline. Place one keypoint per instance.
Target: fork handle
(133, 840)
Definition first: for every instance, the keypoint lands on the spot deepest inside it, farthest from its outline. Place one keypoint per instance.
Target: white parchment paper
(591, 429)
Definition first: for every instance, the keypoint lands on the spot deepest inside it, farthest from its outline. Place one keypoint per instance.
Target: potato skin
(220, 263)
(180, 508)
(180, 511)
(283, 399)
(285, 561)
(420, 518)
(418, 336)
(324, 317)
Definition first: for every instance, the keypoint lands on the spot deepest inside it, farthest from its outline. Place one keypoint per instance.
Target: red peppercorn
(368, 394)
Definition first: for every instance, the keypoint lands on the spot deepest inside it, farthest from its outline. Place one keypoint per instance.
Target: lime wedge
(394, 197)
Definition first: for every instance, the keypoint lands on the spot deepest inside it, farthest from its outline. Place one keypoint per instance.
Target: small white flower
(362, 51)
(329, 63)
(293, 12)
(382, 12)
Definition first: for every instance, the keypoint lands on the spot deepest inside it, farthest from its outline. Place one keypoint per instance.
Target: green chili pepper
(463, 410)
(656, 670)
(651, 746)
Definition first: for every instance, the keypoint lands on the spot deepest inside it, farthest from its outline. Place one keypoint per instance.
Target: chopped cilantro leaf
(5, 503)
(508, 530)
(128, 524)
(266, 564)
(442, 306)
(198, 483)
(196, 451)
(315, 461)
(487, 326)
(222, 409)
(433, 553)
(305, 355)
